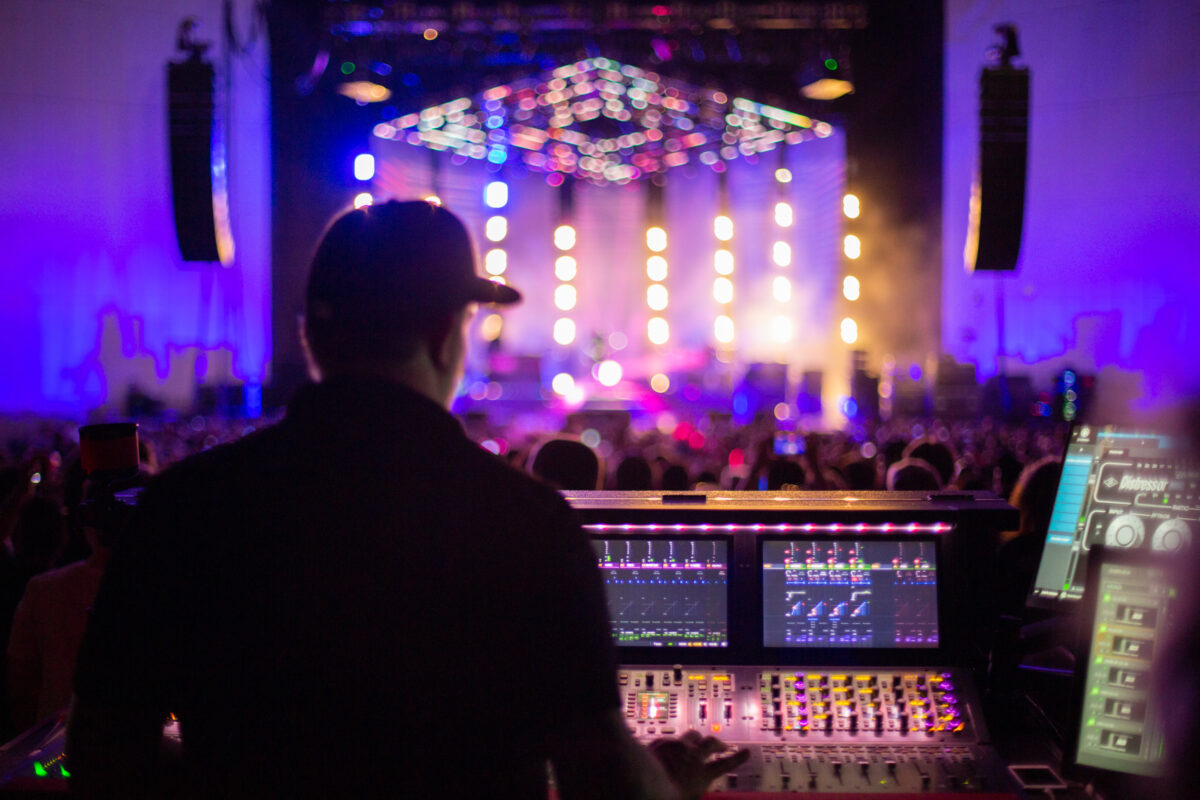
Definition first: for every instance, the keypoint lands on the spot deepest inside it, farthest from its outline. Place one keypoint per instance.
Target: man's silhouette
(359, 601)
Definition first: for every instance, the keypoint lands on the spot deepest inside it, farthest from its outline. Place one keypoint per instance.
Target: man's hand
(689, 761)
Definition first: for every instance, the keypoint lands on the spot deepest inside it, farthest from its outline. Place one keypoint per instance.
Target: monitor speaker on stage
(198, 181)
(998, 193)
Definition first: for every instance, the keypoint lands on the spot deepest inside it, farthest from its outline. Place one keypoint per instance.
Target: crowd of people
(42, 485)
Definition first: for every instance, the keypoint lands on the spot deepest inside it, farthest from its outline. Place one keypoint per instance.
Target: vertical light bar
(723, 264)
(565, 266)
(781, 254)
(495, 259)
(852, 250)
(658, 330)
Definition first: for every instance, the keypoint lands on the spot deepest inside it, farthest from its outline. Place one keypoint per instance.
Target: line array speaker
(197, 189)
(998, 195)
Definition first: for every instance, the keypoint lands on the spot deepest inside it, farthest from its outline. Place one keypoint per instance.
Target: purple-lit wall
(93, 300)
(1110, 261)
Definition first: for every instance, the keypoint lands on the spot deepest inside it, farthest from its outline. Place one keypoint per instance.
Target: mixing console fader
(885, 730)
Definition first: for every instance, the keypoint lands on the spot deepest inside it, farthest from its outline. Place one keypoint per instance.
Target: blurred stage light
(656, 296)
(658, 331)
(363, 92)
(565, 297)
(723, 228)
(850, 287)
(850, 206)
(495, 194)
(656, 239)
(849, 331)
(723, 290)
(781, 254)
(363, 199)
(723, 262)
(565, 268)
(495, 261)
(564, 330)
(656, 268)
(781, 289)
(563, 383)
(496, 228)
(564, 237)
(608, 372)
(364, 166)
(783, 215)
(491, 327)
(852, 246)
(723, 329)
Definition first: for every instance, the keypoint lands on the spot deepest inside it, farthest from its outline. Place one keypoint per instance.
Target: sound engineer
(358, 601)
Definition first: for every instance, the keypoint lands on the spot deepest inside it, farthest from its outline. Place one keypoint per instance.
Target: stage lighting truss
(605, 122)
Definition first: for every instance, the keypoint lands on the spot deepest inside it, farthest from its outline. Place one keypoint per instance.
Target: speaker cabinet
(998, 195)
(198, 190)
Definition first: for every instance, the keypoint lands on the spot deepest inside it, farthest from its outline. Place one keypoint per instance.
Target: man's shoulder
(495, 478)
(220, 460)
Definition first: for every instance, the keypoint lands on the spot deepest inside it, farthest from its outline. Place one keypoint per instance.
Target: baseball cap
(396, 260)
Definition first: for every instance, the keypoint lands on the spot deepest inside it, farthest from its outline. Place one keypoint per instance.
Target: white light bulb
(656, 296)
(657, 330)
(564, 237)
(781, 254)
(565, 268)
(564, 330)
(565, 297)
(849, 331)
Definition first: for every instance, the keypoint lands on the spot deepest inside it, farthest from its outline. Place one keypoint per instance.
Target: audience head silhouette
(634, 474)
(566, 464)
(912, 474)
(936, 454)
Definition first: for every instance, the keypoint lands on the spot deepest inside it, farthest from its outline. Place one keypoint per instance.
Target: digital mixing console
(861, 730)
(847, 598)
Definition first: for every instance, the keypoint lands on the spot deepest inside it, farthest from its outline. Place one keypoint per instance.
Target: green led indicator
(63, 770)
(1103, 628)
(831, 63)
(38, 769)
(1108, 598)
(1166, 499)
(1091, 721)
(1066, 586)
(347, 67)
(1099, 659)
(1171, 592)
(1096, 690)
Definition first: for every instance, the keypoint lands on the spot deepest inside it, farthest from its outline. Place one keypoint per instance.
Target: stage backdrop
(1110, 264)
(611, 251)
(94, 299)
